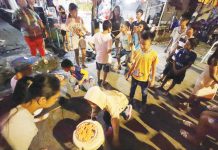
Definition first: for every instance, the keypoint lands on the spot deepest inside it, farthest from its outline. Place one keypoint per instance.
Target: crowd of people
(132, 40)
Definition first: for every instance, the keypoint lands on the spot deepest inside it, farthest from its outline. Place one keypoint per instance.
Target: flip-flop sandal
(187, 123)
(184, 133)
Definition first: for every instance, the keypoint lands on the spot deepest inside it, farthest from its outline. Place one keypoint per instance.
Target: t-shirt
(110, 100)
(135, 39)
(28, 21)
(184, 57)
(79, 73)
(103, 42)
(13, 82)
(124, 41)
(116, 26)
(143, 63)
(20, 129)
(176, 34)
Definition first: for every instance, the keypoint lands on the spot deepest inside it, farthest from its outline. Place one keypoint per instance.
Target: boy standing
(178, 32)
(143, 62)
(102, 43)
(184, 58)
(139, 14)
(126, 43)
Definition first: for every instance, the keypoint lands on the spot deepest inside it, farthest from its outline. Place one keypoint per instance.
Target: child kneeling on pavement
(81, 76)
(113, 103)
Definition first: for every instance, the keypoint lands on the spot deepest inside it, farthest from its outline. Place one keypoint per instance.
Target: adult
(32, 29)
(207, 83)
(116, 21)
(18, 127)
(62, 20)
(77, 30)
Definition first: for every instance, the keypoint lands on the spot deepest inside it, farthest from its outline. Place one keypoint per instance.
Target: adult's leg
(82, 45)
(77, 56)
(166, 79)
(134, 84)
(32, 45)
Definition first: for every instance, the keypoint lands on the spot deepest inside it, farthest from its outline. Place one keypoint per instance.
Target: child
(102, 43)
(23, 68)
(183, 60)
(113, 103)
(180, 44)
(126, 43)
(135, 37)
(144, 62)
(79, 74)
(17, 126)
(178, 32)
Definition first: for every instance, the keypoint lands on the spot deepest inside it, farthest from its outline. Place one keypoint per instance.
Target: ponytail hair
(28, 88)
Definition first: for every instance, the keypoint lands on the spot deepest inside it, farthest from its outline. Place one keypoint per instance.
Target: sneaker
(127, 113)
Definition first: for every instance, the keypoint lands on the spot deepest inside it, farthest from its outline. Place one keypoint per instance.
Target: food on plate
(86, 131)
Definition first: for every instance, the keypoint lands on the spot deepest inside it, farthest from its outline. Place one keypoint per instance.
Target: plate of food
(88, 135)
(86, 131)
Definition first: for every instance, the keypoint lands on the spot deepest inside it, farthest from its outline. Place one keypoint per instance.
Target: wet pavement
(158, 128)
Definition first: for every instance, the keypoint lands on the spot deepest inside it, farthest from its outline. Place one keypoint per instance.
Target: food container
(89, 135)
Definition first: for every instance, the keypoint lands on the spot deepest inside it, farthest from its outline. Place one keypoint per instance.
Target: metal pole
(161, 15)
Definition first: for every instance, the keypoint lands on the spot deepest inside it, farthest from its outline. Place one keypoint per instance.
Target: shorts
(82, 43)
(176, 78)
(106, 67)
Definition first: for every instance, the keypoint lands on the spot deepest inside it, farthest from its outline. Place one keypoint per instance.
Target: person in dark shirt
(139, 14)
(116, 21)
(183, 60)
(62, 20)
(80, 74)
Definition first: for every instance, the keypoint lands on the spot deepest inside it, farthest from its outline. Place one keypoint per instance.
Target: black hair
(193, 42)
(213, 56)
(126, 23)
(61, 7)
(145, 26)
(72, 6)
(106, 25)
(29, 88)
(116, 7)
(145, 35)
(66, 63)
(186, 16)
(140, 11)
